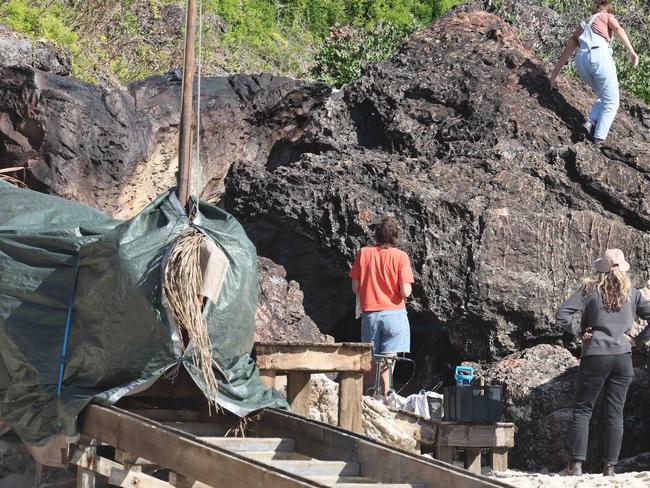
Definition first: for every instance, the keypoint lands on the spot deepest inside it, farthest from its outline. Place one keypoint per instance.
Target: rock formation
(116, 150)
(504, 204)
(280, 314)
(539, 388)
(19, 50)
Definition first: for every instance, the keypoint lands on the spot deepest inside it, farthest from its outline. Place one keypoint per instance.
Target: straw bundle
(182, 284)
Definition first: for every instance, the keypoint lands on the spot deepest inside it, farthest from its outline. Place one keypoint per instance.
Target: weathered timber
(180, 452)
(268, 377)
(316, 358)
(298, 389)
(382, 463)
(473, 460)
(500, 434)
(350, 393)
(117, 474)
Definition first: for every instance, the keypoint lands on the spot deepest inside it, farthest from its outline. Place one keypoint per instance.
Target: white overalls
(596, 68)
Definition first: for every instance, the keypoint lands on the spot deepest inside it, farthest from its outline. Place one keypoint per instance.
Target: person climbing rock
(381, 278)
(596, 66)
(608, 304)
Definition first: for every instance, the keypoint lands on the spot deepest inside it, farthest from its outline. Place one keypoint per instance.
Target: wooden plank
(445, 454)
(350, 393)
(179, 481)
(170, 415)
(317, 468)
(85, 470)
(473, 460)
(476, 435)
(252, 444)
(127, 478)
(181, 453)
(268, 377)
(298, 390)
(314, 357)
(115, 471)
(39, 472)
(499, 459)
(377, 461)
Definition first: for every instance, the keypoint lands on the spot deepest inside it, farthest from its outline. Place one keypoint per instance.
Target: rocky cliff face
(504, 204)
(116, 150)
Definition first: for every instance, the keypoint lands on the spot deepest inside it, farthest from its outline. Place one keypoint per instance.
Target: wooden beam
(268, 377)
(499, 459)
(117, 475)
(127, 478)
(314, 357)
(500, 434)
(445, 454)
(181, 453)
(86, 468)
(473, 460)
(382, 463)
(350, 393)
(298, 390)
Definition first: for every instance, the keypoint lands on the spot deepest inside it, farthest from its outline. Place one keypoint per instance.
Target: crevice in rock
(322, 274)
(605, 200)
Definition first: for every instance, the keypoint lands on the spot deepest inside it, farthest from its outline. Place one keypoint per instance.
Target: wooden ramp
(279, 449)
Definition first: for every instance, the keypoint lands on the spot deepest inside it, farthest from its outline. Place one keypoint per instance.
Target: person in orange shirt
(381, 278)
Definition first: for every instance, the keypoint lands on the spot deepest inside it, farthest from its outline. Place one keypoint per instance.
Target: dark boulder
(18, 50)
(117, 149)
(539, 387)
(280, 314)
(503, 202)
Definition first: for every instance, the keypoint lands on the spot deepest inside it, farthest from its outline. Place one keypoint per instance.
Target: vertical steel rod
(185, 139)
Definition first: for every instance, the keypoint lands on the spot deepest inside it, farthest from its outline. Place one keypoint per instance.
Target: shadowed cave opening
(329, 302)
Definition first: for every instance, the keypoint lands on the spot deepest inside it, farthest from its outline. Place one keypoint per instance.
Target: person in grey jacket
(608, 304)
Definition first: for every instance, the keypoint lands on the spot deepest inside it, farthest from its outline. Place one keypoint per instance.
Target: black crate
(473, 403)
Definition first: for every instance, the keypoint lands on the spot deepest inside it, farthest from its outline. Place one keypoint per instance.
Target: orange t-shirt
(380, 272)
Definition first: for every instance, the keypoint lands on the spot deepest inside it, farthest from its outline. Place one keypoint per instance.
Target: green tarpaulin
(120, 337)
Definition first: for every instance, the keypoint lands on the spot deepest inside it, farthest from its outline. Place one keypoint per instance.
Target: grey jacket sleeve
(565, 315)
(643, 311)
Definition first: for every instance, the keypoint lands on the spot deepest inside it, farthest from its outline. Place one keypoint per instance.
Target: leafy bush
(34, 21)
(347, 50)
(633, 16)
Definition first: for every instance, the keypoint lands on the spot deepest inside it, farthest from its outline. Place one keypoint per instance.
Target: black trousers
(614, 374)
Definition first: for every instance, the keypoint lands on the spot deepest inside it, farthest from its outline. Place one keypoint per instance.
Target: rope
(66, 335)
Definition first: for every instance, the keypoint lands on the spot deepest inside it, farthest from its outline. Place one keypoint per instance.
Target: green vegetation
(124, 40)
(118, 41)
(634, 16)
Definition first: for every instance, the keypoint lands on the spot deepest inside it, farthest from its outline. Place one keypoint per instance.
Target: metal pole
(185, 139)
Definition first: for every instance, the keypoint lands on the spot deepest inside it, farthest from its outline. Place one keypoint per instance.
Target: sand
(522, 479)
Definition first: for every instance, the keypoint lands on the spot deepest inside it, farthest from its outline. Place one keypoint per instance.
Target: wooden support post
(499, 459)
(473, 460)
(298, 389)
(445, 454)
(179, 481)
(350, 393)
(86, 475)
(268, 377)
(39, 471)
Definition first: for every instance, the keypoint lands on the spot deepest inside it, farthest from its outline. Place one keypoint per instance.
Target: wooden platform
(300, 360)
(279, 449)
(446, 439)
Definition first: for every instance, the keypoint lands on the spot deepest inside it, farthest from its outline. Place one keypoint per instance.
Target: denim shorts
(388, 330)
